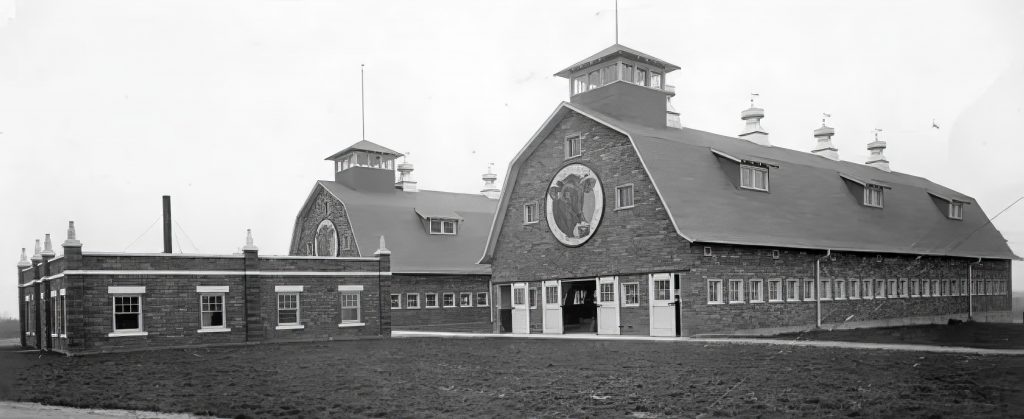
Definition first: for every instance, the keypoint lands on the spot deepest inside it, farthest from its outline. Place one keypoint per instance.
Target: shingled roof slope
(414, 250)
(809, 205)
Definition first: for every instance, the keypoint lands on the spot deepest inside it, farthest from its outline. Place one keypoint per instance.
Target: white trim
(721, 290)
(742, 291)
(632, 196)
(359, 258)
(128, 333)
(231, 273)
(476, 301)
(351, 324)
(289, 327)
(782, 294)
(471, 297)
(126, 290)
(391, 302)
(454, 301)
(63, 291)
(760, 292)
(53, 293)
(724, 155)
(288, 288)
(536, 213)
(188, 255)
(437, 303)
(350, 287)
(417, 306)
(213, 330)
(212, 288)
(624, 300)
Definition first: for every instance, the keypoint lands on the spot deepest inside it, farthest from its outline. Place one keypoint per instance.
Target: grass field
(9, 328)
(524, 377)
(974, 335)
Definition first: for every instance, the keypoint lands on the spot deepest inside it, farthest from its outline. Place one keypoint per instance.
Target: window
(854, 288)
(707, 251)
(448, 299)
(595, 80)
(873, 196)
(656, 80)
(573, 146)
(735, 291)
(935, 288)
(309, 249)
(775, 254)
(825, 290)
(609, 74)
(579, 84)
(880, 288)
(808, 290)
(891, 291)
(211, 308)
(627, 73)
(63, 318)
(412, 300)
(925, 288)
(753, 178)
(754, 291)
(327, 210)
(530, 213)
(396, 301)
(350, 307)
(715, 291)
(662, 289)
(631, 294)
(430, 300)
(840, 289)
(624, 196)
(482, 299)
(774, 290)
(518, 296)
(953, 288)
(956, 210)
(54, 331)
(288, 308)
(641, 76)
(533, 297)
(127, 313)
(550, 294)
(442, 226)
(942, 288)
(346, 242)
(792, 290)
(466, 299)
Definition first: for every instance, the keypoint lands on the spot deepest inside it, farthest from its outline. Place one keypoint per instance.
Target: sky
(230, 106)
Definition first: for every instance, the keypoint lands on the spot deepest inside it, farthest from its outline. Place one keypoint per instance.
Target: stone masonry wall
(311, 217)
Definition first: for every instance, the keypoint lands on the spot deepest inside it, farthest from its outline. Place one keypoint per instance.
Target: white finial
(752, 96)
(877, 130)
(71, 241)
(37, 256)
(47, 247)
(383, 250)
(23, 262)
(825, 116)
(248, 241)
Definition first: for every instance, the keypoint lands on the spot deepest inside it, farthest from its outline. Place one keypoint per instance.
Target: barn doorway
(504, 308)
(579, 309)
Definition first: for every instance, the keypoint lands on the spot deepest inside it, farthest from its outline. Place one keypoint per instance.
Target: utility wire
(143, 233)
(187, 236)
(986, 223)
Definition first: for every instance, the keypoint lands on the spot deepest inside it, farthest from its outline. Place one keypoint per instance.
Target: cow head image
(567, 199)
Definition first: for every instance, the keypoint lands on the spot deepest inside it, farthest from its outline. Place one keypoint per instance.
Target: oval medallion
(575, 204)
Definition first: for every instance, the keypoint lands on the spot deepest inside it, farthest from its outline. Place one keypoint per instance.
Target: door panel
(552, 296)
(608, 305)
(663, 313)
(520, 309)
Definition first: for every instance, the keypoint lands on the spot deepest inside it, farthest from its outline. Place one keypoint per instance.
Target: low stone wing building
(87, 302)
(615, 219)
(436, 236)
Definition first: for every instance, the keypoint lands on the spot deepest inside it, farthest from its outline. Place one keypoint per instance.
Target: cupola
(365, 166)
(490, 189)
(753, 131)
(877, 158)
(624, 83)
(405, 181)
(824, 148)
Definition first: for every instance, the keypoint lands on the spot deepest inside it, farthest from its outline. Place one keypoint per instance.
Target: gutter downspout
(817, 284)
(970, 289)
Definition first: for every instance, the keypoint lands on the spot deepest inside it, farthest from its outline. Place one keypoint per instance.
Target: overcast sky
(231, 106)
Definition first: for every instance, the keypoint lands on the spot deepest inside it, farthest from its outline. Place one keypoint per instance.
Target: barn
(436, 236)
(616, 219)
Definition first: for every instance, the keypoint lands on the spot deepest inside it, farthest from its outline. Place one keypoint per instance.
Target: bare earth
(523, 377)
(973, 335)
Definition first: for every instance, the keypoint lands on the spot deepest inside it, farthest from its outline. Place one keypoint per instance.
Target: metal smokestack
(167, 224)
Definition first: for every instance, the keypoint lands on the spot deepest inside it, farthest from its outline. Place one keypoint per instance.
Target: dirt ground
(973, 335)
(423, 377)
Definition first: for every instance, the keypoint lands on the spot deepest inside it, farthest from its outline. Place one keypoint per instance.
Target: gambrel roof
(400, 216)
(809, 206)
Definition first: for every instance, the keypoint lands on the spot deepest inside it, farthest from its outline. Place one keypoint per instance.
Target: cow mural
(326, 239)
(575, 204)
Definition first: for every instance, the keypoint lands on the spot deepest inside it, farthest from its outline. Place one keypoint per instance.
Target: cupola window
(656, 80)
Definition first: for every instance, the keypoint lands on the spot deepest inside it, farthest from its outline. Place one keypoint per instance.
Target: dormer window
(755, 178)
(443, 226)
(873, 196)
(573, 146)
(956, 210)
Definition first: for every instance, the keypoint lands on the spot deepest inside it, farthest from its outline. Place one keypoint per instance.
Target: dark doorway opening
(579, 311)
(505, 308)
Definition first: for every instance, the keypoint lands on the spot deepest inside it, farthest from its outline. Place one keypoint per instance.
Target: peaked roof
(613, 51)
(809, 205)
(397, 217)
(364, 145)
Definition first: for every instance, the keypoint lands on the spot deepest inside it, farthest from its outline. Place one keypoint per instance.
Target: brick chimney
(877, 158)
(824, 136)
(490, 190)
(23, 262)
(753, 131)
(37, 256)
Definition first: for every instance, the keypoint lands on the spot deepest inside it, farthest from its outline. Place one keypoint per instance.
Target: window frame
(809, 291)
(141, 327)
(869, 190)
(532, 297)
(396, 304)
(839, 289)
(465, 297)
(223, 312)
(718, 291)
(755, 284)
(486, 301)
(739, 289)
(792, 287)
(297, 324)
(753, 183)
(426, 300)
(567, 145)
(779, 288)
(619, 194)
(443, 223)
(64, 312)
(444, 297)
(626, 294)
(527, 211)
(956, 210)
(348, 291)
(415, 297)
(825, 289)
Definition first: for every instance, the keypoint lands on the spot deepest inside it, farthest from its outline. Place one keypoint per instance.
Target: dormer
(365, 166)
(623, 83)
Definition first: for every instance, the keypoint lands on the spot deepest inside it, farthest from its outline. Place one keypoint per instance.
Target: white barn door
(608, 305)
(520, 309)
(553, 307)
(663, 313)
